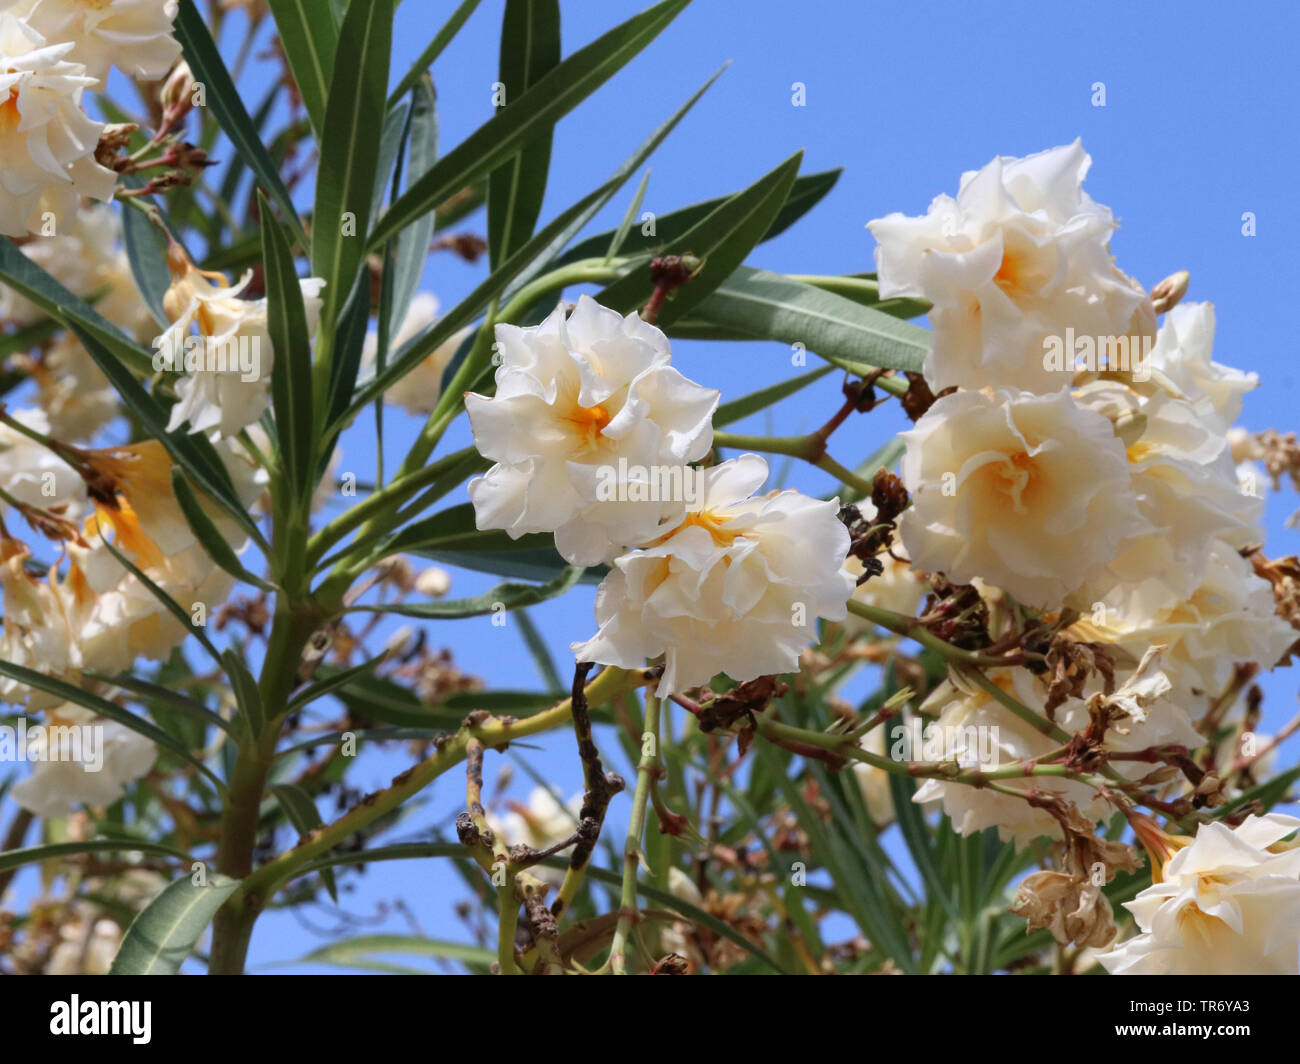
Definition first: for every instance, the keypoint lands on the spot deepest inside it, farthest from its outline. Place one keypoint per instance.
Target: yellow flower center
(588, 423)
(9, 114)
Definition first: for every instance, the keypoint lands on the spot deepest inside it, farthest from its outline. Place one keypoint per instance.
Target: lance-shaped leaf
(558, 92)
(349, 150)
(247, 695)
(163, 935)
(768, 306)
(530, 46)
(310, 36)
(434, 49)
(30, 281)
(210, 537)
(146, 251)
(291, 389)
(223, 97)
(303, 815)
(67, 692)
(58, 850)
(503, 597)
(365, 953)
(720, 240)
(807, 191)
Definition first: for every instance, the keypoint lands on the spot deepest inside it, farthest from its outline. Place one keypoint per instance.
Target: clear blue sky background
(904, 96)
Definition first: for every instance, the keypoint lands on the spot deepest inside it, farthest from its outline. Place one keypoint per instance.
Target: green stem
(645, 770)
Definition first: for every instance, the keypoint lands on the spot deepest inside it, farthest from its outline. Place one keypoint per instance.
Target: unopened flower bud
(1165, 295)
(177, 93)
(433, 582)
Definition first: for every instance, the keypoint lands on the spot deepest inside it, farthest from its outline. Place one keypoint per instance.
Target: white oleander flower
(1226, 903)
(1183, 353)
(73, 391)
(47, 143)
(736, 588)
(1030, 493)
(418, 391)
(38, 626)
(227, 386)
(34, 474)
(1229, 618)
(108, 762)
(1187, 490)
(979, 732)
(591, 430)
(133, 35)
(1018, 257)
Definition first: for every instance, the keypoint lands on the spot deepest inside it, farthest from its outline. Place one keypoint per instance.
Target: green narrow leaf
(807, 192)
(440, 41)
(291, 381)
(303, 815)
(721, 240)
(538, 109)
(223, 97)
(27, 279)
(103, 707)
(163, 935)
(330, 683)
(165, 695)
(767, 306)
(506, 596)
(737, 409)
(310, 36)
(146, 251)
(620, 234)
(349, 150)
(412, 251)
(541, 656)
(216, 545)
(530, 47)
(55, 850)
(356, 953)
(247, 695)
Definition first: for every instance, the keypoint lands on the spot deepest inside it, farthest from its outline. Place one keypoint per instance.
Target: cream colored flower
(225, 366)
(85, 948)
(1183, 353)
(1187, 491)
(874, 782)
(587, 413)
(1029, 493)
(1018, 257)
(57, 782)
(1229, 618)
(418, 391)
(133, 35)
(1226, 903)
(47, 143)
(736, 588)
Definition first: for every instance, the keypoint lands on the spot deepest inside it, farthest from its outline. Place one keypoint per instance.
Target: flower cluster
(51, 52)
(1081, 463)
(593, 432)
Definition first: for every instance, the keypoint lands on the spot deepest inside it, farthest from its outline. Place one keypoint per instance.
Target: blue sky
(905, 97)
